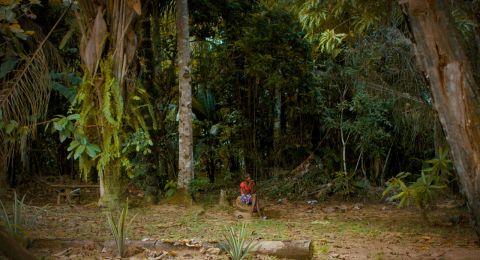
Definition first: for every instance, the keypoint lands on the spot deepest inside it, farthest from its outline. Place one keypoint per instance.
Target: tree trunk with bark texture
(11, 248)
(185, 138)
(455, 93)
(112, 183)
(277, 130)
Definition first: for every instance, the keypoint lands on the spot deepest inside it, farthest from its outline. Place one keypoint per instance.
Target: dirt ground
(339, 230)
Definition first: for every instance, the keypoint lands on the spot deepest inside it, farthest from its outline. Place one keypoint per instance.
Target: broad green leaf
(73, 117)
(63, 137)
(80, 149)
(91, 151)
(73, 145)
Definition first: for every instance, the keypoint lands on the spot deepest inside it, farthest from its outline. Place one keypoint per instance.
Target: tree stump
(222, 201)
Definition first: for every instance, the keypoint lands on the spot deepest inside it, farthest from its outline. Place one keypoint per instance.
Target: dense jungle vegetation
(312, 98)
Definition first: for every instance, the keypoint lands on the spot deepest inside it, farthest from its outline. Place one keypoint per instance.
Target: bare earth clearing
(339, 230)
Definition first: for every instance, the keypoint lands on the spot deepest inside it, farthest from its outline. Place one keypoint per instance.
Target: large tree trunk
(11, 248)
(455, 92)
(185, 138)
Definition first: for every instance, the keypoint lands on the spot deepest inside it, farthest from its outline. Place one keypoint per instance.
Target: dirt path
(339, 230)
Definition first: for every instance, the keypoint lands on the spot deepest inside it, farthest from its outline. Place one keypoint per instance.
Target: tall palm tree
(107, 48)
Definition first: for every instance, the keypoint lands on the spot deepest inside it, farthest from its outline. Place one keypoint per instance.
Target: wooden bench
(66, 191)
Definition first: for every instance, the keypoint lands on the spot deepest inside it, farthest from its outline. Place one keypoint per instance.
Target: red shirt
(245, 188)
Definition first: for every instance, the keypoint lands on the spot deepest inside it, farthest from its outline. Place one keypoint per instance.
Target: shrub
(425, 189)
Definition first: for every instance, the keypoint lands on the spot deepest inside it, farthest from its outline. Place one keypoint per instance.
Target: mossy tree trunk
(108, 48)
(112, 185)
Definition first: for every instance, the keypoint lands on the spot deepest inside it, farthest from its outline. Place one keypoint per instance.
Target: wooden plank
(73, 186)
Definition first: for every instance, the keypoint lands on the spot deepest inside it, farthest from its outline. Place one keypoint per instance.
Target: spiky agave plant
(14, 225)
(237, 244)
(119, 228)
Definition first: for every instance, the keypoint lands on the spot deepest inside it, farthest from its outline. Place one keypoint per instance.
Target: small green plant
(14, 225)
(324, 249)
(119, 229)
(424, 190)
(237, 244)
(170, 188)
(346, 184)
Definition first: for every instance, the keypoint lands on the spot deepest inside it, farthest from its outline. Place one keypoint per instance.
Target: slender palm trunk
(185, 138)
(455, 92)
(277, 130)
(112, 183)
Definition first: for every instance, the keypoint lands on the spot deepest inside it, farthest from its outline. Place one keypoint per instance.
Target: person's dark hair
(246, 175)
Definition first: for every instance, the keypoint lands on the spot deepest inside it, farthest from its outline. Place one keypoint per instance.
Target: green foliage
(283, 189)
(137, 141)
(465, 24)
(329, 41)
(199, 183)
(10, 15)
(440, 167)
(170, 188)
(80, 145)
(120, 134)
(66, 84)
(397, 186)
(66, 126)
(119, 229)
(329, 23)
(237, 243)
(425, 189)
(343, 183)
(14, 224)
(260, 50)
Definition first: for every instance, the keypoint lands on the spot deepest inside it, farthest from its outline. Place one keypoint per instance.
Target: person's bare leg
(257, 206)
(254, 201)
(258, 209)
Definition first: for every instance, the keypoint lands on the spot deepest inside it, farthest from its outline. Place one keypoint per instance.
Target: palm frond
(24, 98)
